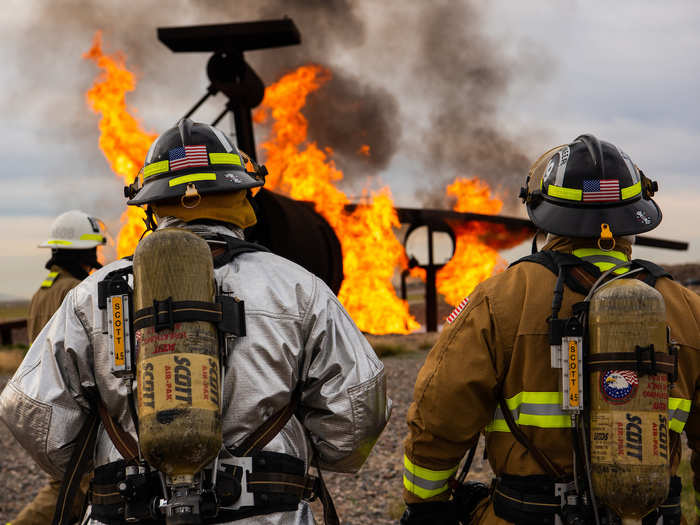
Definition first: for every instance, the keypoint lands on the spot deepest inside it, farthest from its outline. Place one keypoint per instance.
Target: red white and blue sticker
(457, 310)
(618, 386)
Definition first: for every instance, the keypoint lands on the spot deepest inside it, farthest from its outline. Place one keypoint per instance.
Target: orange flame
(364, 150)
(476, 255)
(122, 139)
(303, 171)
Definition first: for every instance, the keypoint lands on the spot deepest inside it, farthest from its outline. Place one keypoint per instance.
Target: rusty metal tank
(295, 231)
(628, 411)
(177, 368)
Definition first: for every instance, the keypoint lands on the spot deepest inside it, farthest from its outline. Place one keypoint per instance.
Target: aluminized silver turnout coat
(297, 333)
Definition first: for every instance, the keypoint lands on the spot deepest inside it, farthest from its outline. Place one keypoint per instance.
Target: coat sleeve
(43, 404)
(454, 399)
(344, 405)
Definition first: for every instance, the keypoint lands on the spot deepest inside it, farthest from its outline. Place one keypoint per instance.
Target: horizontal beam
(428, 216)
(241, 36)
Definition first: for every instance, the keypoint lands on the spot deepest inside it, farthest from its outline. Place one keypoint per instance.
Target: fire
(304, 171)
(476, 255)
(122, 139)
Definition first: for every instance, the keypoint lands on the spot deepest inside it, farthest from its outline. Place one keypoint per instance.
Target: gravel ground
(372, 496)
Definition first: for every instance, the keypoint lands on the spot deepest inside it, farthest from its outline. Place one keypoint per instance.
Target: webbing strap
(661, 363)
(176, 312)
(234, 248)
(262, 435)
(540, 457)
(122, 440)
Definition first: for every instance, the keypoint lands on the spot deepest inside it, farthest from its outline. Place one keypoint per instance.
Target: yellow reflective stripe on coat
(225, 158)
(155, 168)
(50, 279)
(534, 409)
(194, 177)
(678, 412)
(423, 482)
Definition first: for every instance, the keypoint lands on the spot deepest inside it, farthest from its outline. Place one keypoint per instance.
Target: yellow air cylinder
(177, 370)
(628, 413)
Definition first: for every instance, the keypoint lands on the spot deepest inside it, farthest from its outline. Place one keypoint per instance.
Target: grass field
(14, 310)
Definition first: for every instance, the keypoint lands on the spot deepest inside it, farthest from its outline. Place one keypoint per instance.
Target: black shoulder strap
(235, 247)
(553, 261)
(654, 271)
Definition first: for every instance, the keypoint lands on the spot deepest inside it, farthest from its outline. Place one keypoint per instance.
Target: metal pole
(210, 91)
(243, 118)
(430, 287)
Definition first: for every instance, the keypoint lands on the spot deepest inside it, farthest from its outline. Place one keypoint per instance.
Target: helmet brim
(61, 244)
(226, 181)
(628, 219)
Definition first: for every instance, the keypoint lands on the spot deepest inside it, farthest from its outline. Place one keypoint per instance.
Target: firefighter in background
(494, 350)
(300, 341)
(73, 239)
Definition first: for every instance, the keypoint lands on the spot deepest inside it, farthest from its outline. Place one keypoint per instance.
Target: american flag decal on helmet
(457, 310)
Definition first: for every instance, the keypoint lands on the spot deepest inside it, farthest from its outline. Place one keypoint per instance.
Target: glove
(430, 513)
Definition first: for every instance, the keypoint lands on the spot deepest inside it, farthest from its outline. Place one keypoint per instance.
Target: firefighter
(299, 344)
(73, 240)
(494, 351)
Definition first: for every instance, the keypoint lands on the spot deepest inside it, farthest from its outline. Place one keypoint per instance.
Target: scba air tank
(628, 412)
(177, 368)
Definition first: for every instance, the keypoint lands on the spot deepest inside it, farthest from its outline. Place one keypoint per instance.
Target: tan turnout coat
(498, 346)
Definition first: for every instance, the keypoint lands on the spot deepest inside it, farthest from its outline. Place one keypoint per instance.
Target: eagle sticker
(618, 386)
(457, 310)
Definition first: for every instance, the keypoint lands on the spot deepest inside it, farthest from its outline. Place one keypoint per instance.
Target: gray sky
(628, 72)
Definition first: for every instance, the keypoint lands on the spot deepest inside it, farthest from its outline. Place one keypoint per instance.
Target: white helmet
(74, 230)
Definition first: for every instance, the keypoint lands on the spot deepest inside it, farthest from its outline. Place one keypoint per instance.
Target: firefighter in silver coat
(297, 334)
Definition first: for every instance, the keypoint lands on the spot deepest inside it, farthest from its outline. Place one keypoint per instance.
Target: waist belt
(531, 500)
(249, 486)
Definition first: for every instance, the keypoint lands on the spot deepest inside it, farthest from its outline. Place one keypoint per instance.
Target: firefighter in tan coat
(73, 239)
(494, 352)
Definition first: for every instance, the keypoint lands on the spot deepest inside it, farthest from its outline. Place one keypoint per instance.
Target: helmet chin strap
(149, 221)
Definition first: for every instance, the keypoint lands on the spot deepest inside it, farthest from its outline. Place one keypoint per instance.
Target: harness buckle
(641, 353)
(167, 312)
(246, 498)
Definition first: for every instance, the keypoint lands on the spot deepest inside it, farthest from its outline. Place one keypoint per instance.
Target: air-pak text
(633, 437)
(183, 380)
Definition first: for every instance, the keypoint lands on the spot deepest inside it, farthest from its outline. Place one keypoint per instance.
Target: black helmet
(189, 159)
(572, 190)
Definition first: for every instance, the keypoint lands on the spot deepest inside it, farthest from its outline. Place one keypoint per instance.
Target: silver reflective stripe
(630, 166)
(602, 259)
(679, 414)
(564, 155)
(225, 142)
(149, 155)
(499, 413)
(542, 410)
(422, 482)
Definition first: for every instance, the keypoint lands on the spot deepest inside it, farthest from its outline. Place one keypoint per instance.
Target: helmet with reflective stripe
(74, 230)
(192, 158)
(575, 188)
